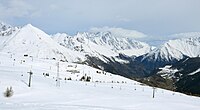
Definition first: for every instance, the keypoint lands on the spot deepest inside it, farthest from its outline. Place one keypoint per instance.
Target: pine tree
(9, 92)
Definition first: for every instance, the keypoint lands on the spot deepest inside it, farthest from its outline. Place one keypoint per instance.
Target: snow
(167, 72)
(4, 26)
(120, 44)
(198, 70)
(135, 52)
(82, 45)
(105, 43)
(29, 49)
(104, 92)
(31, 41)
(189, 46)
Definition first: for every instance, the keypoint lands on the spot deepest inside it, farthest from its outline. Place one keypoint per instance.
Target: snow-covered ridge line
(195, 72)
(107, 40)
(99, 44)
(177, 49)
(34, 42)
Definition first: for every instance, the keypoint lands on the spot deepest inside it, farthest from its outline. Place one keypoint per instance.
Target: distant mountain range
(172, 51)
(104, 50)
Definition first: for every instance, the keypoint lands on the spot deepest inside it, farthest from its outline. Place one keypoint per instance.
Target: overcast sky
(152, 17)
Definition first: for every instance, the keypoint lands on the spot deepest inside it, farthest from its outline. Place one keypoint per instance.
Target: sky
(151, 17)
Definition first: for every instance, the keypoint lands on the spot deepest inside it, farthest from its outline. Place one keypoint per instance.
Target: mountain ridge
(102, 45)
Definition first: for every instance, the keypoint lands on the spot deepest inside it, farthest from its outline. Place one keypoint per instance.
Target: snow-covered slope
(105, 91)
(82, 44)
(173, 50)
(127, 46)
(166, 52)
(189, 46)
(31, 41)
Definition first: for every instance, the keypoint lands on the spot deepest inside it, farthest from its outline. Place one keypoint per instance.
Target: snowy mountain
(102, 52)
(127, 46)
(107, 51)
(33, 42)
(82, 44)
(4, 26)
(107, 45)
(91, 66)
(188, 45)
(173, 51)
(106, 41)
(6, 29)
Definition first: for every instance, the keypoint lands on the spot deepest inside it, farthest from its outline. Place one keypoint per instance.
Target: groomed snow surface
(105, 91)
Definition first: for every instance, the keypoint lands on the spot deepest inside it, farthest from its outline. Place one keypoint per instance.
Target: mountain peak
(34, 42)
(172, 51)
(4, 26)
(3, 23)
(29, 26)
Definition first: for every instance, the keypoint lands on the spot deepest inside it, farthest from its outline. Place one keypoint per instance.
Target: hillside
(103, 50)
(105, 91)
(172, 51)
(33, 42)
(185, 74)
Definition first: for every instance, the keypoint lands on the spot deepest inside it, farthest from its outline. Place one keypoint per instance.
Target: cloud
(120, 32)
(123, 19)
(15, 8)
(184, 35)
(152, 17)
(159, 40)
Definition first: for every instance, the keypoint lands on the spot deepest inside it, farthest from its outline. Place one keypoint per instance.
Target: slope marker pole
(58, 75)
